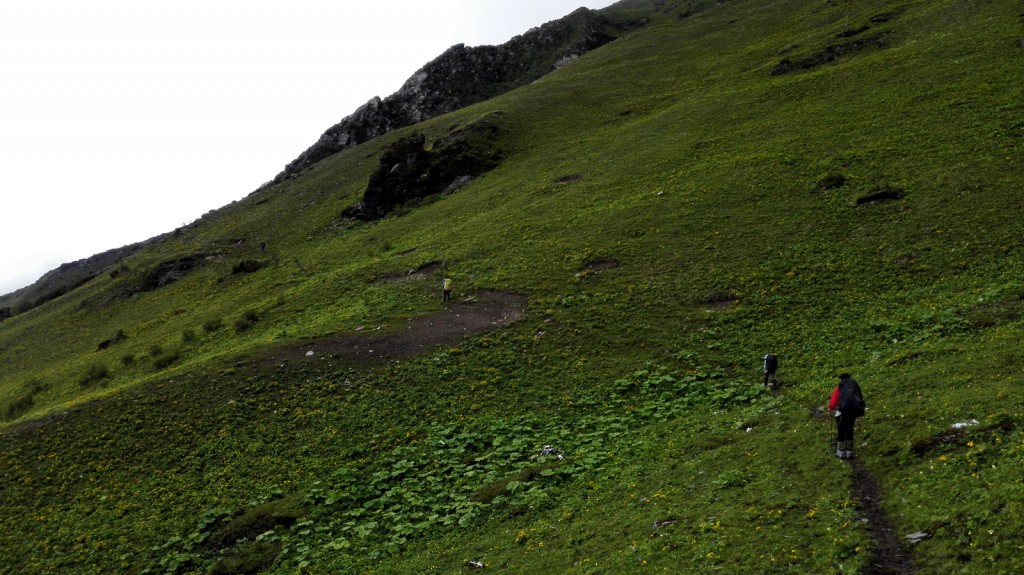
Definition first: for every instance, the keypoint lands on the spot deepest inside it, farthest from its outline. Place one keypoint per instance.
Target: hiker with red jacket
(848, 403)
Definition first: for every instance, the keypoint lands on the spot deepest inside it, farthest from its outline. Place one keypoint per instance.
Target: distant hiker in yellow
(446, 289)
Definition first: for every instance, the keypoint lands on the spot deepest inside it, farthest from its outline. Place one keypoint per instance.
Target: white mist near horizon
(124, 120)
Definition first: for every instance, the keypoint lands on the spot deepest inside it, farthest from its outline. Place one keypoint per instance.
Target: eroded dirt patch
(881, 195)
(479, 313)
(831, 53)
(420, 272)
(600, 265)
(718, 301)
(922, 445)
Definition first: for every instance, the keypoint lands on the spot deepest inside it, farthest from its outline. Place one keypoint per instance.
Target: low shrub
(248, 319)
(504, 487)
(94, 373)
(165, 360)
(247, 559)
(831, 182)
(35, 385)
(257, 520)
(119, 336)
(19, 406)
(213, 324)
(248, 266)
(23, 403)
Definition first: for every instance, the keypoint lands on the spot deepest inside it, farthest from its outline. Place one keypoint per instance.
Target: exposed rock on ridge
(64, 279)
(462, 76)
(409, 171)
(459, 77)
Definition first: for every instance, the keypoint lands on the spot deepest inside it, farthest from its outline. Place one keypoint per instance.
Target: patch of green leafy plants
(456, 477)
(729, 199)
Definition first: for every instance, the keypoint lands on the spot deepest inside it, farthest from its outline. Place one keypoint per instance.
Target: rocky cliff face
(466, 75)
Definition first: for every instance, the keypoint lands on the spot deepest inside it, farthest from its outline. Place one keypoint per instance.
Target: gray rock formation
(462, 76)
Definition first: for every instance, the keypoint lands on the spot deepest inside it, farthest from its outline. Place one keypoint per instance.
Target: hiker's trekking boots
(844, 449)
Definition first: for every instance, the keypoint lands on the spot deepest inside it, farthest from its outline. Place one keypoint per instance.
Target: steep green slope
(834, 182)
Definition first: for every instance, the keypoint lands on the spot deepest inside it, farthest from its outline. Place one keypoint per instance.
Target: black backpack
(858, 406)
(853, 401)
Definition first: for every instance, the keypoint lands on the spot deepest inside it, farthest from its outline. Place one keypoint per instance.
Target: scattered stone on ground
(917, 536)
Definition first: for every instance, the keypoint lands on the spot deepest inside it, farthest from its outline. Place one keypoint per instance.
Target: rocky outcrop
(463, 76)
(459, 77)
(410, 170)
(64, 279)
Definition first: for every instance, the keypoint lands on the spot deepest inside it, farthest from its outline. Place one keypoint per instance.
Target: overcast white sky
(124, 119)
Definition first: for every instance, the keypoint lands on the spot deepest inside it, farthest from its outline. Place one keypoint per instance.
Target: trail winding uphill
(887, 555)
(478, 313)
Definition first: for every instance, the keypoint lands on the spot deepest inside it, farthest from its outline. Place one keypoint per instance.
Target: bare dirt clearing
(477, 313)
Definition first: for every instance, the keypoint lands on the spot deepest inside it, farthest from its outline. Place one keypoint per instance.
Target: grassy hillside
(277, 388)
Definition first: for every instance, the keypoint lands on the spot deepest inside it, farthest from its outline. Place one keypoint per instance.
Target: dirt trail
(479, 313)
(888, 557)
(476, 313)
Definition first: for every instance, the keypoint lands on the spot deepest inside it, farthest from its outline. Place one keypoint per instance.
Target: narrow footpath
(888, 557)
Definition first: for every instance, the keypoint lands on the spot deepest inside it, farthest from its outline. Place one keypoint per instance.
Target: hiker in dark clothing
(771, 365)
(848, 403)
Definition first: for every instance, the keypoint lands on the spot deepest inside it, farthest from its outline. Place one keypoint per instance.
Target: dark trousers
(845, 427)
